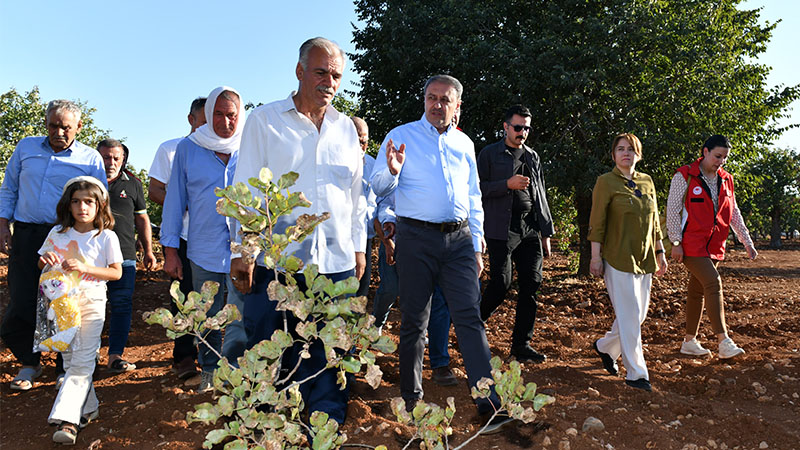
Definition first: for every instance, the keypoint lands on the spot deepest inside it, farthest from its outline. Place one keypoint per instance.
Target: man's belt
(444, 227)
(27, 225)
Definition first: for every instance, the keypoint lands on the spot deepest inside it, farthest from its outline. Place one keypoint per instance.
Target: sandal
(67, 434)
(88, 418)
(120, 365)
(24, 379)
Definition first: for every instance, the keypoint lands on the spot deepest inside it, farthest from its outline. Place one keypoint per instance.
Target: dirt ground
(750, 402)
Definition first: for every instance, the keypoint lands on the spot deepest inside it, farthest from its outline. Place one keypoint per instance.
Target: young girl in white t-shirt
(82, 241)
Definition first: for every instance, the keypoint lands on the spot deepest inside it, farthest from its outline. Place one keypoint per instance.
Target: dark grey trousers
(426, 257)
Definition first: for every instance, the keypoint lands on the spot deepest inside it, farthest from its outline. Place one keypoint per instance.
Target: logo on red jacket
(697, 190)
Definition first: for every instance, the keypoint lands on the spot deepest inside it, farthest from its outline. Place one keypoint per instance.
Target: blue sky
(141, 63)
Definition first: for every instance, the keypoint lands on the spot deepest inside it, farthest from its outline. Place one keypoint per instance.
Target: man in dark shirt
(130, 210)
(517, 225)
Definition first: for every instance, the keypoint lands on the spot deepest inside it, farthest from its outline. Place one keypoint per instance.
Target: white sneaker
(727, 349)
(694, 348)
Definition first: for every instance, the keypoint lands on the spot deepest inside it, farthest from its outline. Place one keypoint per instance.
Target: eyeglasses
(636, 190)
(519, 128)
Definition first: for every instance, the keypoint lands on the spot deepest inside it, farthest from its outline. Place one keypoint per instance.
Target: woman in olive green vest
(626, 251)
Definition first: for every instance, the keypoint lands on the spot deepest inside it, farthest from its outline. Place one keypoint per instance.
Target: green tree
(779, 174)
(23, 115)
(672, 72)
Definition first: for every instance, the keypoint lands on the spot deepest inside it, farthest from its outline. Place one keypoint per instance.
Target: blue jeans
(438, 324)
(261, 320)
(235, 342)
(206, 357)
(120, 299)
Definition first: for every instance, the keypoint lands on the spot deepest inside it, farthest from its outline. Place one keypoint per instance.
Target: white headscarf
(206, 137)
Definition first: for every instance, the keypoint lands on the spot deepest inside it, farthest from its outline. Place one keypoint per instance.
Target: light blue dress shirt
(386, 209)
(439, 179)
(369, 163)
(36, 175)
(196, 172)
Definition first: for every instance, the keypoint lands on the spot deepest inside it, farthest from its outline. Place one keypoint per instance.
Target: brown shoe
(443, 376)
(185, 369)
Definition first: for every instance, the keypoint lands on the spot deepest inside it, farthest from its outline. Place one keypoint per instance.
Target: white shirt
(330, 166)
(92, 248)
(162, 168)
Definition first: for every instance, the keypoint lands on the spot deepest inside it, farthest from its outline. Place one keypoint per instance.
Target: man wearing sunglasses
(517, 226)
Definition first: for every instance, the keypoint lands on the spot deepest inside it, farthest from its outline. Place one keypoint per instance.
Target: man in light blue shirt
(203, 162)
(34, 179)
(363, 140)
(434, 177)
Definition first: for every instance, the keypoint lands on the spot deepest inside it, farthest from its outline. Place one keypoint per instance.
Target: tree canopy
(671, 72)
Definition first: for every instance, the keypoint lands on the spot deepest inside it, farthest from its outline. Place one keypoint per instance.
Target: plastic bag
(58, 316)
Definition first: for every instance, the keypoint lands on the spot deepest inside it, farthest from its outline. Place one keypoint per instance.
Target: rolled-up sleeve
(597, 218)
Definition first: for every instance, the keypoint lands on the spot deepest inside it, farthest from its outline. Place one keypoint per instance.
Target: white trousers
(76, 396)
(630, 296)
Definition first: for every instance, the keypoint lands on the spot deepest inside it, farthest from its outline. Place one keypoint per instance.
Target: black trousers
(526, 254)
(19, 321)
(184, 346)
(363, 286)
(426, 257)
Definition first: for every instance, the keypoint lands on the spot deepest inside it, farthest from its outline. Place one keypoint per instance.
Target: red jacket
(705, 233)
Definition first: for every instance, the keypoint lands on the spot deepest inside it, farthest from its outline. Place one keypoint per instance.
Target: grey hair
(231, 96)
(330, 47)
(446, 79)
(56, 106)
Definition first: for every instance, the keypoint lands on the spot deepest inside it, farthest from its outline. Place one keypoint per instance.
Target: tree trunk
(775, 230)
(583, 204)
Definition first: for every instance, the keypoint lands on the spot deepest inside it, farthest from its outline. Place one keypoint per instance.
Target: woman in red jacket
(701, 210)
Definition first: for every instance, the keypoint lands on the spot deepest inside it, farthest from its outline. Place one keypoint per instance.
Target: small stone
(383, 426)
(675, 423)
(763, 444)
(563, 445)
(769, 367)
(620, 410)
(689, 447)
(714, 382)
(546, 441)
(654, 406)
(639, 420)
(593, 392)
(140, 406)
(730, 381)
(710, 421)
(571, 431)
(592, 424)
(765, 398)
(723, 446)
(594, 408)
(711, 443)
(760, 390)
(795, 395)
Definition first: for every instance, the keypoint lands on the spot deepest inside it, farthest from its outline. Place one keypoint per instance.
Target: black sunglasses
(519, 128)
(636, 190)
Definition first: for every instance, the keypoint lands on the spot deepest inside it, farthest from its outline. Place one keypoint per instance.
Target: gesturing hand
(395, 157)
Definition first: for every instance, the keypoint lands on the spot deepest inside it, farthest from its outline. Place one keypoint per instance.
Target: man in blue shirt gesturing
(439, 235)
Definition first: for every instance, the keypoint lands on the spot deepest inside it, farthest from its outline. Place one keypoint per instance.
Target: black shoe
(641, 383)
(443, 376)
(410, 404)
(527, 354)
(608, 363)
(496, 425)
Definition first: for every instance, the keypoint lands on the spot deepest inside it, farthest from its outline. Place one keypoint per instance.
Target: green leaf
(216, 436)
(351, 364)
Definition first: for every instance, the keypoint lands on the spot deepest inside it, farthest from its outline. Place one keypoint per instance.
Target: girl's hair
(632, 139)
(104, 219)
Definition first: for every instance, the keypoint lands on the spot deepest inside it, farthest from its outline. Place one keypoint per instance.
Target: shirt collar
(66, 151)
(617, 171)
(429, 126)
(288, 105)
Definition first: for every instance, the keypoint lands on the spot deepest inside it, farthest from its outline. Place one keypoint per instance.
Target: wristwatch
(676, 243)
